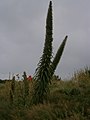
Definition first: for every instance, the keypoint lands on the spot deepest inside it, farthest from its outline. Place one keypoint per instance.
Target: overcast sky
(22, 34)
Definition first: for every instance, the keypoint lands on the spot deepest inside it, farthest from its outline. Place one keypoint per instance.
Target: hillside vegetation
(67, 100)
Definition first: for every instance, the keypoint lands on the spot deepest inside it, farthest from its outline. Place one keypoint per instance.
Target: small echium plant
(12, 90)
(26, 87)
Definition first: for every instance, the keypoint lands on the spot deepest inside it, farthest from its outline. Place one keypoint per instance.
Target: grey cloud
(22, 33)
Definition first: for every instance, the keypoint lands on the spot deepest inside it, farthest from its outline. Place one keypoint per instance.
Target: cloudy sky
(22, 34)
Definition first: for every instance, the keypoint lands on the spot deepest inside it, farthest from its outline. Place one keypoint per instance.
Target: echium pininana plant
(46, 67)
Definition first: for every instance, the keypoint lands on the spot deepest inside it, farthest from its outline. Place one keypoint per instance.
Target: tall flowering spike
(58, 55)
(42, 73)
(47, 52)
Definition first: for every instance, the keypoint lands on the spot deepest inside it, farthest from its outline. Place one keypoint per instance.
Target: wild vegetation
(67, 100)
(46, 97)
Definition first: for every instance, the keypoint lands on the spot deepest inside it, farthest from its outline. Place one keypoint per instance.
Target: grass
(68, 100)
